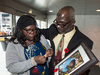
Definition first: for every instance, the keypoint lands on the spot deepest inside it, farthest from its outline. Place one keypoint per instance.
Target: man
(72, 37)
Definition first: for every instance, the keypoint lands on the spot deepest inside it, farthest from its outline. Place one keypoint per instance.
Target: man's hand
(48, 53)
(40, 59)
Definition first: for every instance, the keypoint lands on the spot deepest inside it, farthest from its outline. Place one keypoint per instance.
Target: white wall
(90, 26)
(50, 19)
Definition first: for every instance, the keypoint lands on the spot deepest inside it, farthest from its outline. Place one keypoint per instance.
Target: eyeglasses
(30, 30)
(62, 25)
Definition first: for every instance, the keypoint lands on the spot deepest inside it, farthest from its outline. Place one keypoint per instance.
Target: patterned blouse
(32, 51)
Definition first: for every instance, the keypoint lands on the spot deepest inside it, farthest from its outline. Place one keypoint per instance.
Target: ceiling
(82, 7)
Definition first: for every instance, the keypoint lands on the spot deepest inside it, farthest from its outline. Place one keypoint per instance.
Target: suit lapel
(73, 42)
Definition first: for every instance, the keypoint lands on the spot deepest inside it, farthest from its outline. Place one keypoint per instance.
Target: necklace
(29, 42)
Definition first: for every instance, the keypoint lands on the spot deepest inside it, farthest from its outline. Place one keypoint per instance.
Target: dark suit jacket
(77, 39)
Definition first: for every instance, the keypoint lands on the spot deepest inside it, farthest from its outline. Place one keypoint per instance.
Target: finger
(42, 57)
(43, 60)
(45, 55)
(47, 52)
(49, 55)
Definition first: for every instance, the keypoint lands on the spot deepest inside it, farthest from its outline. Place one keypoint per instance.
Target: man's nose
(58, 26)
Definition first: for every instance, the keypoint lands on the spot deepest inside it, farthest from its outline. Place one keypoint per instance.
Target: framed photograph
(77, 62)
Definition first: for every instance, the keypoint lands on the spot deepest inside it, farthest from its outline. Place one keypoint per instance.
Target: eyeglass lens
(62, 25)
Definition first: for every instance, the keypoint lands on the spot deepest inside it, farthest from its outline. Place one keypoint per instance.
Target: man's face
(71, 64)
(63, 23)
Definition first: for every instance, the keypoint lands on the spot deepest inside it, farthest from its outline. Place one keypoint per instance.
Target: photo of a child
(70, 64)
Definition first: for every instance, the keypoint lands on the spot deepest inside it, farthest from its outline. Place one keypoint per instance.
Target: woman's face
(29, 32)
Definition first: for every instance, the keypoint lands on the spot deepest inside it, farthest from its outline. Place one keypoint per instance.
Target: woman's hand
(48, 53)
(40, 59)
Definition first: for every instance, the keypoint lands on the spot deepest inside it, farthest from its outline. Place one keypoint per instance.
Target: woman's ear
(21, 31)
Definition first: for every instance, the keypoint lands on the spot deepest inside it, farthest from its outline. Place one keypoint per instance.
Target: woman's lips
(31, 36)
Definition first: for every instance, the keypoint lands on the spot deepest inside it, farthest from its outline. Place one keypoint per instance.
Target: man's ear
(73, 22)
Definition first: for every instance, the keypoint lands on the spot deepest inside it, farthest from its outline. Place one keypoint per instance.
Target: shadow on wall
(95, 70)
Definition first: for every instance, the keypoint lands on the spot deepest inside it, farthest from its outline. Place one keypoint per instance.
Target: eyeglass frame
(62, 26)
(30, 30)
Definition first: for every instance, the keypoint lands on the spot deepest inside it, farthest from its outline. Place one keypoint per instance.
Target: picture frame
(77, 62)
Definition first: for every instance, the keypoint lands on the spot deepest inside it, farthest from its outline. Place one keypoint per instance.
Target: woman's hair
(18, 34)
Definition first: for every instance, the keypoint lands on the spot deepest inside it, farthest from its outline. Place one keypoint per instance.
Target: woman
(26, 53)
